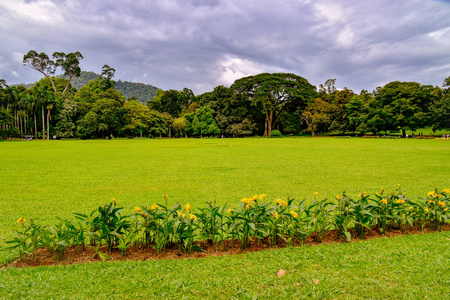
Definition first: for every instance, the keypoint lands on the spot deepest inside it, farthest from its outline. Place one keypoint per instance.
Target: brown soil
(72, 256)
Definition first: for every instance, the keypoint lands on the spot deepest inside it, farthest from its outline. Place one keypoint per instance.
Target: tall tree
(408, 103)
(317, 116)
(137, 119)
(340, 118)
(106, 77)
(440, 108)
(70, 64)
(275, 93)
(41, 63)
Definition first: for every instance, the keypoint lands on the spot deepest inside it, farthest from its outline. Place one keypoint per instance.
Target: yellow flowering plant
(343, 216)
(252, 220)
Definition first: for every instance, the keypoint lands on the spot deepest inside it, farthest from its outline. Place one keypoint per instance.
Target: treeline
(253, 105)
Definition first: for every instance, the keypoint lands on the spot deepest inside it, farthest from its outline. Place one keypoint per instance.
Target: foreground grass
(48, 179)
(414, 266)
(45, 180)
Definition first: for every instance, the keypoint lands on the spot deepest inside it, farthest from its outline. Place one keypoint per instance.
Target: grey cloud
(196, 44)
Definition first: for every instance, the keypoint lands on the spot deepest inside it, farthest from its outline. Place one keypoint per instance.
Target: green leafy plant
(275, 133)
(212, 222)
(109, 224)
(56, 239)
(21, 242)
(343, 216)
(361, 211)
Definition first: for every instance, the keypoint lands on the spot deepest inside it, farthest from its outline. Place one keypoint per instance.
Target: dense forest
(95, 106)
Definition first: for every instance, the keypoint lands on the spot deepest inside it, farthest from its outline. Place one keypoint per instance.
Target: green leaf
(252, 226)
(348, 236)
(104, 256)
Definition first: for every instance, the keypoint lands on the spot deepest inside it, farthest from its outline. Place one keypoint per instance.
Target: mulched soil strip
(72, 256)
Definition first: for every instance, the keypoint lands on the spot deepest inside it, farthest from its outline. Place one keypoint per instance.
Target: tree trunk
(35, 125)
(51, 81)
(67, 85)
(19, 122)
(403, 133)
(25, 122)
(43, 122)
(48, 124)
(269, 123)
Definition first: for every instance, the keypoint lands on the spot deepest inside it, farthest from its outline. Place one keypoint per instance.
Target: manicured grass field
(411, 267)
(48, 179)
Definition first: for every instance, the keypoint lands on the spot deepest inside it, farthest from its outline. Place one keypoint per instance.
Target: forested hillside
(142, 92)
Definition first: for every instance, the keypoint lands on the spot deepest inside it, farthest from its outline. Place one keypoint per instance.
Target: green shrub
(275, 133)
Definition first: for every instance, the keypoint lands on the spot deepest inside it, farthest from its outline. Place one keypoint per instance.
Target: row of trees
(252, 105)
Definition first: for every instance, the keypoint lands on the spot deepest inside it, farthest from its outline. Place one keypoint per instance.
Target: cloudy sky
(201, 44)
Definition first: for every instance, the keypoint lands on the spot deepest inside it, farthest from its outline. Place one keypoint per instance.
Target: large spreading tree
(275, 93)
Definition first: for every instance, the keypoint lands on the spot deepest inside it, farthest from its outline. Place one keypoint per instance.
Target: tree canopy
(275, 93)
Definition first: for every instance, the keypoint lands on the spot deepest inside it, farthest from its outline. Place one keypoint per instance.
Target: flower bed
(254, 224)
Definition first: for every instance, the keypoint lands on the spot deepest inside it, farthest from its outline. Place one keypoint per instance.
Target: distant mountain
(142, 92)
(79, 82)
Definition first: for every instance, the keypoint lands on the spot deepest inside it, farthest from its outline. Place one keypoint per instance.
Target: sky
(200, 44)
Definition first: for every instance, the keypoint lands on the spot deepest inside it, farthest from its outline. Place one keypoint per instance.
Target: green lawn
(48, 179)
(411, 267)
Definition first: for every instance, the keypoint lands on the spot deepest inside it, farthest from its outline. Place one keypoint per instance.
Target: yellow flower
(183, 215)
(431, 201)
(114, 201)
(294, 214)
(400, 201)
(262, 196)
(137, 209)
(247, 200)
(411, 207)
(447, 191)
(21, 221)
(431, 193)
(338, 197)
(446, 209)
(441, 203)
(362, 194)
(188, 207)
(193, 217)
(255, 197)
(384, 201)
(154, 206)
(230, 210)
(165, 197)
(143, 214)
(275, 215)
(281, 202)
(426, 209)
(246, 206)
(315, 194)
